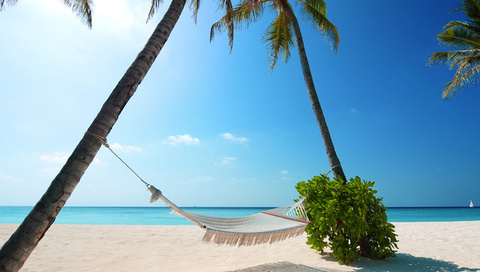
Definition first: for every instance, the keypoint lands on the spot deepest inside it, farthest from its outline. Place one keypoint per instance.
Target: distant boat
(471, 204)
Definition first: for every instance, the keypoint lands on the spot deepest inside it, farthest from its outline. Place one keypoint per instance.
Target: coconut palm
(280, 36)
(21, 244)
(465, 36)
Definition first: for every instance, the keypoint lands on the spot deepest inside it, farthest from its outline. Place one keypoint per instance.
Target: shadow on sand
(407, 262)
(402, 263)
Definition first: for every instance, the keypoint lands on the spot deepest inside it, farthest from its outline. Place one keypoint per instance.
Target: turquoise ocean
(162, 216)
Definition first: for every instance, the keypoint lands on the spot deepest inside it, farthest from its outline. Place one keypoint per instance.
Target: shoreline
(426, 246)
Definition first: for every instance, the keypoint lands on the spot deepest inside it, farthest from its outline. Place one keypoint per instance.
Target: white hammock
(265, 227)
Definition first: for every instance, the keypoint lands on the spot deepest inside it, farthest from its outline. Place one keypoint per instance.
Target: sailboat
(471, 204)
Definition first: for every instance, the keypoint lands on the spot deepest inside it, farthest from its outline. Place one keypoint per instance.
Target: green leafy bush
(348, 218)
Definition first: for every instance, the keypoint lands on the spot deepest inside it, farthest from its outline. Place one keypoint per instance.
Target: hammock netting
(265, 227)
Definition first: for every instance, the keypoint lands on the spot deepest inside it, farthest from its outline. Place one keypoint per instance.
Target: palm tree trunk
(335, 165)
(21, 244)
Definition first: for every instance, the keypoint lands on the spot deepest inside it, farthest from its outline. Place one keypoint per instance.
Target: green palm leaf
(469, 77)
(471, 9)
(460, 37)
(195, 6)
(467, 25)
(315, 11)
(82, 8)
(279, 38)
(451, 57)
(236, 18)
(466, 37)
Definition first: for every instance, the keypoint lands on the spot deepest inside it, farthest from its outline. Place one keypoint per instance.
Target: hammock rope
(265, 227)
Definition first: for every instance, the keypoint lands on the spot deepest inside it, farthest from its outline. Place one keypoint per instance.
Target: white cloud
(230, 137)
(97, 161)
(182, 139)
(226, 161)
(352, 110)
(57, 157)
(284, 172)
(117, 146)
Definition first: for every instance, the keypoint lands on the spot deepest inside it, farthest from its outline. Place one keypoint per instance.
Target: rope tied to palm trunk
(155, 192)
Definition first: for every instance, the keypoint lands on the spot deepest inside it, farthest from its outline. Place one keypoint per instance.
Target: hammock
(265, 227)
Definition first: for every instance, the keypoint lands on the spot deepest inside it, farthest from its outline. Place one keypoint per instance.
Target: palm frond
(467, 25)
(467, 78)
(236, 18)
(225, 23)
(9, 2)
(195, 6)
(450, 57)
(82, 8)
(153, 8)
(464, 35)
(472, 9)
(460, 37)
(468, 63)
(247, 12)
(315, 11)
(279, 37)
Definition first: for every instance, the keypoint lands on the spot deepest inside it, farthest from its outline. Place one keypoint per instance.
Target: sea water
(162, 216)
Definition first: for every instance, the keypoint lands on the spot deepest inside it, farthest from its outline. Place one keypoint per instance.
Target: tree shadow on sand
(407, 262)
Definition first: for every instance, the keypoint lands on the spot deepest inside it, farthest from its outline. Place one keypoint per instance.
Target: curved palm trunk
(312, 94)
(21, 244)
(365, 247)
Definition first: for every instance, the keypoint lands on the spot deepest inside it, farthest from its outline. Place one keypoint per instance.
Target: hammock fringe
(266, 227)
(251, 239)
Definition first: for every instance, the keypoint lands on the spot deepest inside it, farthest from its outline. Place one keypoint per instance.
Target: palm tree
(466, 36)
(21, 244)
(279, 37)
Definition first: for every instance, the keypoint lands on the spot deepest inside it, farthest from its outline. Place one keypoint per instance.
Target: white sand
(450, 246)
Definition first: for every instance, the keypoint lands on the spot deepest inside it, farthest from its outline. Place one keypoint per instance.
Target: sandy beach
(442, 246)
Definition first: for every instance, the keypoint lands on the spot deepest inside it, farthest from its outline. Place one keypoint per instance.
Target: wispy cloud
(243, 180)
(226, 161)
(117, 146)
(57, 157)
(200, 179)
(8, 178)
(230, 137)
(186, 139)
(284, 175)
(52, 170)
(352, 110)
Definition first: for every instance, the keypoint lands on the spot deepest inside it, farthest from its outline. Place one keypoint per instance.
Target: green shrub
(348, 218)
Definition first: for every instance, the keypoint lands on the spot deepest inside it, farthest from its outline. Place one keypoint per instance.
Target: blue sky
(211, 128)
